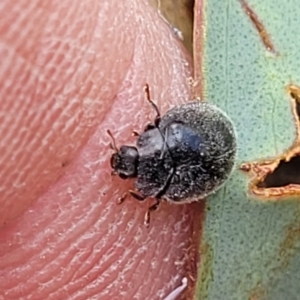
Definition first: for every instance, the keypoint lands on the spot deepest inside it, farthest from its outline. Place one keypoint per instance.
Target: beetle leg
(150, 209)
(136, 195)
(122, 198)
(148, 97)
(135, 133)
(132, 193)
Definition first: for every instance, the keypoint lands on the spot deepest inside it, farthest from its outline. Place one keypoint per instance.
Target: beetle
(183, 156)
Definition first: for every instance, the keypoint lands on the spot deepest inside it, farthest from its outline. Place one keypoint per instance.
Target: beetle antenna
(112, 144)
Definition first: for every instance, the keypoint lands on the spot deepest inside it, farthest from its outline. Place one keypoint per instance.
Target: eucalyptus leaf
(250, 249)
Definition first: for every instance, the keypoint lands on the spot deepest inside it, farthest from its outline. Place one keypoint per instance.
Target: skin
(72, 70)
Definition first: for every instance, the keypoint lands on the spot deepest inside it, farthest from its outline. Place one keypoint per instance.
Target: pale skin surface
(69, 71)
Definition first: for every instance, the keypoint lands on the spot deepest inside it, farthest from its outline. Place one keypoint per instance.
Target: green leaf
(250, 248)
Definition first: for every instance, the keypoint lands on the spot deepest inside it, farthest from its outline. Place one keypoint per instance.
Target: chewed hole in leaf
(280, 176)
(286, 173)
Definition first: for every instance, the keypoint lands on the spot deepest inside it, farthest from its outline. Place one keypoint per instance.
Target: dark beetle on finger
(182, 157)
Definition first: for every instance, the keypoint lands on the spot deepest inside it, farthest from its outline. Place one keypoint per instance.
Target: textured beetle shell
(193, 149)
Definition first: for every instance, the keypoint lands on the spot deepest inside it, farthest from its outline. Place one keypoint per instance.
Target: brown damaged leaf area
(259, 26)
(193, 257)
(198, 38)
(289, 244)
(179, 15)
(258, 293)
(279, 177)
(186, 19)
